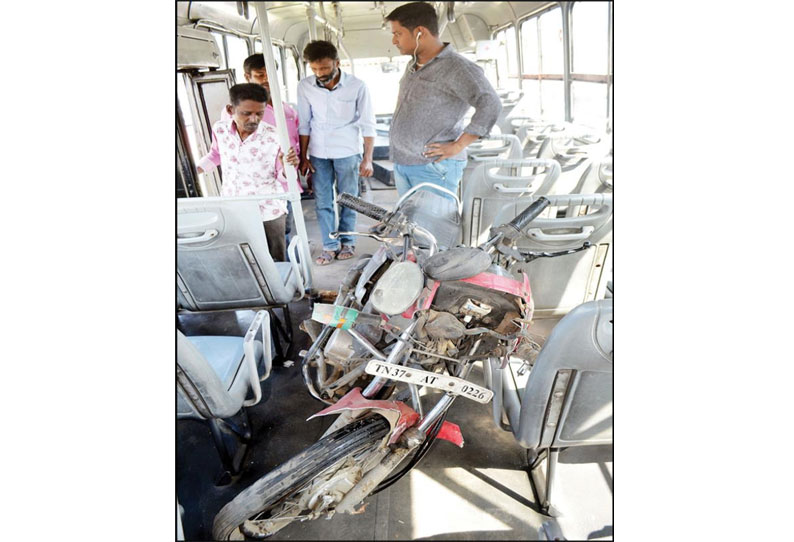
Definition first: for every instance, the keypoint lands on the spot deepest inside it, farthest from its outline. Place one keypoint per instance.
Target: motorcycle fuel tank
(457, 263)
(398, 288)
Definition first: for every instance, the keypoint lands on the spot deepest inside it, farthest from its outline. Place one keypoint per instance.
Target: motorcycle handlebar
(529, 214)
(359, 205)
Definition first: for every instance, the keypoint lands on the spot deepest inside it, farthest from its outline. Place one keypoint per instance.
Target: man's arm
(366, 168)
(305, 165)
(366, 122)
(473, 87)
(210, 160)
(304, 129)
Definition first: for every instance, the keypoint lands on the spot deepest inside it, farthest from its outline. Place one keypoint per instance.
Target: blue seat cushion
(224, 354)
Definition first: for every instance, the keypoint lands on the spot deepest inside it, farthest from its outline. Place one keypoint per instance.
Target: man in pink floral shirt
(249, 152)
(254, 71)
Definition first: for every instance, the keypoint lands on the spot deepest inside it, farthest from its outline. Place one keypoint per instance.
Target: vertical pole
(283, 137)
(610, 99)
(310, 14)
(566, 57)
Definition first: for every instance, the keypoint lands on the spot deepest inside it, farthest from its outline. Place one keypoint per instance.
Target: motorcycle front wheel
(268, 495)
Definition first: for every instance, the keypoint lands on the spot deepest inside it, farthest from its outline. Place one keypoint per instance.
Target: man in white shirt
(334, 113)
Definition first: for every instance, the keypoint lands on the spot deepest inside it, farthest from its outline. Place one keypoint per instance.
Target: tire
(288, 478)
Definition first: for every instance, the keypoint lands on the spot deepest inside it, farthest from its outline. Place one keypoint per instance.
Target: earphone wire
(416, 60)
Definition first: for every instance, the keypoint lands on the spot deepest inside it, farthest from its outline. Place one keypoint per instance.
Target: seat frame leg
(536, 459)
(281, 330)
(231, 456)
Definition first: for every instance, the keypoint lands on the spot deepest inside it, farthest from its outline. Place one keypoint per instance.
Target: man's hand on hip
(442, 151)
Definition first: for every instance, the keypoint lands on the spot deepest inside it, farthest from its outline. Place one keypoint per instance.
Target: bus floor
(478, 492)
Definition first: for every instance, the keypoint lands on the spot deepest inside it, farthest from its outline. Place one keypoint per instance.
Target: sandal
(346, 253)
(326, 257)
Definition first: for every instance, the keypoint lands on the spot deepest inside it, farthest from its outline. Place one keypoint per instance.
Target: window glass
(551, 44)
(187, 116)
(293, 77)
(512, 52)
(219, 40)
(552, 99)
(529, 105)
(589, 104)
(382, 76)
(238, 52)
(506, 59)
(529, 45)
(501, 59)
(590, 33)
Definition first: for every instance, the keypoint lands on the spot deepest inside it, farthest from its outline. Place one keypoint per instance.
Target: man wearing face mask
(427, 139)
(334, 112)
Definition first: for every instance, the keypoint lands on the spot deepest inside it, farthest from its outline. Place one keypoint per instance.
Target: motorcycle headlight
(398, 288)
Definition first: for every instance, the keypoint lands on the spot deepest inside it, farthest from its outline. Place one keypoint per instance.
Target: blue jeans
(446, 173)
(345, 171)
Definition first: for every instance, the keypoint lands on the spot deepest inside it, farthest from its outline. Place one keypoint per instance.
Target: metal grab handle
(206, 236)
(260, 323)
(499, 187)
(476, 152)
(537, 233)
(298, 268)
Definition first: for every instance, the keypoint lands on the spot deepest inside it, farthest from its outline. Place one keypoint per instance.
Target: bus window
(237, 51)
(589, 104)
(507, 59)
(530, 104)
(590, 52)
(542, 47)
(590, 27)
(187, 116)
(552, 95)
(292, 76)
(383, 80)
(219, 40)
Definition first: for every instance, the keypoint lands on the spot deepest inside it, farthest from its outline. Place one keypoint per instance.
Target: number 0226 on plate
(433, 380)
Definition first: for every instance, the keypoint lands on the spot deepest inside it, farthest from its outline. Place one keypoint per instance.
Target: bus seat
(215, 376)
(561, 283)
(223, 260)
(566, 399)
(493, 147)
(493, 183)
(595, 179)
(435, 212)
(577, 361)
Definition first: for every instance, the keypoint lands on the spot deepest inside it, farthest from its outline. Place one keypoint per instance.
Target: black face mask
(328, 78)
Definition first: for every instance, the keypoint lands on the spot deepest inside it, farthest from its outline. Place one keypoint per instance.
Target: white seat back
(223, 260)
(561, 283)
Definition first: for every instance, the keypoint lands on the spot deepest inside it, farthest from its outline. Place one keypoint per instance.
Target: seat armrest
(299, 269)
(261, 324)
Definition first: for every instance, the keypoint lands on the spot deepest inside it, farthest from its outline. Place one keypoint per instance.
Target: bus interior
(551, 65)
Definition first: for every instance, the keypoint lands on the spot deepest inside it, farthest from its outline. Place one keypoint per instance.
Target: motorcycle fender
(451, 432)
(399, 415)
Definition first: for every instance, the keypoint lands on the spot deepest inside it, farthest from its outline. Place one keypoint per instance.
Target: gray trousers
(276, 242)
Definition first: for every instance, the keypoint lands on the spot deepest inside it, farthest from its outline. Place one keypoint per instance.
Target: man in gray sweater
(427, 138)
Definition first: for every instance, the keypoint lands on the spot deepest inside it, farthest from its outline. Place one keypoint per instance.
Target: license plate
(433, 380)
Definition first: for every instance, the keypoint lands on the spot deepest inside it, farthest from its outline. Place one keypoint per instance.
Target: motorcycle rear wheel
(273, 489)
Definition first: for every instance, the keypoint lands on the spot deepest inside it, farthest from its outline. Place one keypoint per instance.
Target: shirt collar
(446, 51)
